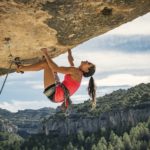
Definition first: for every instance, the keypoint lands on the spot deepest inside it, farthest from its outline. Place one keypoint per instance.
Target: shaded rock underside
(28, 25)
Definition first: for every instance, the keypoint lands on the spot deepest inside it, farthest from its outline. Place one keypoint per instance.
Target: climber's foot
(19, 68)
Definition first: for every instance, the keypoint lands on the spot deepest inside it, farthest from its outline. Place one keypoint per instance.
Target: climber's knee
(44, 64)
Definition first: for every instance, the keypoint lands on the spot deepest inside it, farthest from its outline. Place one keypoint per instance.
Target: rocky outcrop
(28, 25)
(119, 119)
(6, 126)
(27, 121)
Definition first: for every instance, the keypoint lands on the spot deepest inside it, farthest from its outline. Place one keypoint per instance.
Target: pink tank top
(71, 84)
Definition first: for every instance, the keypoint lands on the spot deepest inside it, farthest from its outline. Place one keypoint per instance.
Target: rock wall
(25, 121)
(115, 119)
(6, 126)
(28, 25)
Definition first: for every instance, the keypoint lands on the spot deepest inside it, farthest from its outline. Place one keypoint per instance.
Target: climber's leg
(49, 77)
(34, 67)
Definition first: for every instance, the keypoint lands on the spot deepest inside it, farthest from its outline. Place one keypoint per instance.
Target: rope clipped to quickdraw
(5, 78)
(7, 42)
(16, 61)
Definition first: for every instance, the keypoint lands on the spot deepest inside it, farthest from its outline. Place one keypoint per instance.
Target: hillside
(131, 98)
(136, 138)
(27, 121)
(130, 105)
(119, 110)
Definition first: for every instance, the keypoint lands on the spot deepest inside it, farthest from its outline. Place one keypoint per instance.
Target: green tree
(35, 148)
(94, 147)
(88, 142)
(80, 136)
(110, 147)
(116, 141)
(119, 144)
(92, 138)
(70, 146)
(82, 148)
(127, 141)
(26, 148)
(102, 144)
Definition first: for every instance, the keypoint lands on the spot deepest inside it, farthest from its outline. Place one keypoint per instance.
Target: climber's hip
(54, 93)
(50, 92)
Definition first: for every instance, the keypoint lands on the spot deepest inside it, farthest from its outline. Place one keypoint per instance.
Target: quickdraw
(16, 61)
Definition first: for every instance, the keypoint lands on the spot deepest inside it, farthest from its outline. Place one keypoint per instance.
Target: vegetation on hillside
(135, 138)
(134, 97)
(8, 140)
(138, 138)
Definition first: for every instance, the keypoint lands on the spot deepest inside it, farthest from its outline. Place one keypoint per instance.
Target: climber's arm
(55, 67)
(70, 57)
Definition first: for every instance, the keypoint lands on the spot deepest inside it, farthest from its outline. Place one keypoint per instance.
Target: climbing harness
(16, 61)
(67, 104)
(67, 100)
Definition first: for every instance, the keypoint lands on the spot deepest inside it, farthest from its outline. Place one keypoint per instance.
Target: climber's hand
(70, 58)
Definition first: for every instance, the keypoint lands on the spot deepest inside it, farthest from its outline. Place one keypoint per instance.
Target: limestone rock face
(115, 119)
(6, 126)
(24, 122)
(28, 25)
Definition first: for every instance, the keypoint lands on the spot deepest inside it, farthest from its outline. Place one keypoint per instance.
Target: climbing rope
(16, 61)
(5, 78)
(7, 42)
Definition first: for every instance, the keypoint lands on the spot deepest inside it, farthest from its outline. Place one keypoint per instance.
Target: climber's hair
(90, 72)
(92, 91)
(91, 85)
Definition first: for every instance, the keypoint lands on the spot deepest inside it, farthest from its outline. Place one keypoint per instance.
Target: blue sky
(122, 57)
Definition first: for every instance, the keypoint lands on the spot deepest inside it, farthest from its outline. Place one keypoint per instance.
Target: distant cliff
(115, 119)
(7, 126)
(27, 121)
(119, 111)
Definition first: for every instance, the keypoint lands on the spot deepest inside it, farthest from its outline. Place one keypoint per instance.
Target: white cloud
(112, 60)
(141, 25)
(79, 98)
(38, 86)
(15, 105)
(35, 84)
(16, 76)
(122, 79)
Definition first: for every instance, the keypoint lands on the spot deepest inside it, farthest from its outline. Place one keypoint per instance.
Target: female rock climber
(72, 79)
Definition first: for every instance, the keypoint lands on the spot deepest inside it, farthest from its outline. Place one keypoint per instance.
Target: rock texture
(117, 119)
(118, 111)
(6, 126)
(58, 25)
(24, 122)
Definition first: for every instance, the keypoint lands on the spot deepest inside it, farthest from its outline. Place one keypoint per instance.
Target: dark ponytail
(92, 91)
